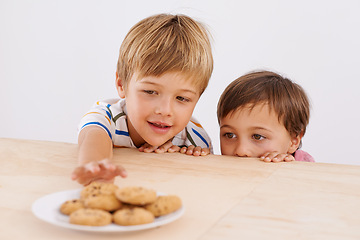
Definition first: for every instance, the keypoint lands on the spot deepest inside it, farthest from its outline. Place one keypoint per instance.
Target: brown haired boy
(265, 115)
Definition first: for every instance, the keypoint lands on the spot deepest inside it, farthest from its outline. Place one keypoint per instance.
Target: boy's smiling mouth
(159, 127)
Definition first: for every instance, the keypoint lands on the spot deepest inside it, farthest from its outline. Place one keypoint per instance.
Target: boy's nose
(242, 150)
(164, 107)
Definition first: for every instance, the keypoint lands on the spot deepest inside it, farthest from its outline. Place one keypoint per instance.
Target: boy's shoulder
(302, 156)
(197, 133)
(194, 122)
(109, 102)
(113, 105)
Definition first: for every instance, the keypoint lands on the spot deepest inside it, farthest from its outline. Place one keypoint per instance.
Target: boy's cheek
(226, 149)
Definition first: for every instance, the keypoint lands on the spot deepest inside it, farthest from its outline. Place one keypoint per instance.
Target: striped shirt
(110, 115)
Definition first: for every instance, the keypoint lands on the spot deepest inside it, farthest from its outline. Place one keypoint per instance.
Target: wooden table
(224, 197)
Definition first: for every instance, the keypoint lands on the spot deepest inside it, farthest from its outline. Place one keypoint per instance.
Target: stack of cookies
(103, 203)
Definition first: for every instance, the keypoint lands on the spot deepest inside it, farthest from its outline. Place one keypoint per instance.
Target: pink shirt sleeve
(303, 156)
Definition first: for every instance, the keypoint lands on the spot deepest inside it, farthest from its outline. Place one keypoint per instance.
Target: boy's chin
(157, 143)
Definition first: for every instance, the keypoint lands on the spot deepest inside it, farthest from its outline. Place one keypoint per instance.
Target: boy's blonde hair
(286, 98)
(166, 43)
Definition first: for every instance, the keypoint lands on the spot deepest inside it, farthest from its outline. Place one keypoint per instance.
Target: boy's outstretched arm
(95, 154)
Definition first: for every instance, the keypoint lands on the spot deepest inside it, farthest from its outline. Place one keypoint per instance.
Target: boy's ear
(295, 142)
(119, 86)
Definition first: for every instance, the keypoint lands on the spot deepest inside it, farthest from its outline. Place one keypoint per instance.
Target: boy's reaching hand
(277, 157)
(103, 171)
(195, 151)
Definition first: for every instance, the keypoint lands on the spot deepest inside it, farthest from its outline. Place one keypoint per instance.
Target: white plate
(47, 208)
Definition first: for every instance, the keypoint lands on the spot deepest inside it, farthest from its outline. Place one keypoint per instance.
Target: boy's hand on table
(195, 151)
(166, 147)
(103, 171)
(277, 157)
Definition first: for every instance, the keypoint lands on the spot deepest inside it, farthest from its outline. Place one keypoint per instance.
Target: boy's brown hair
(286, 98)
(166, 43)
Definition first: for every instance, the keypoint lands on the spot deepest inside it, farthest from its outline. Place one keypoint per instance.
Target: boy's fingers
(74, 176)
(111, 170)
(107, 164)
(120, 171)
(79, 172)
(190, 150)
(183, 150)
(205, 151)
(84, 181)
(141, 149)
(197, 151)
(167, 145)
(150, 149)
(281, 157)
(144, 146)
(103, 170)
(75, 173)
(92, 167)
(277, 159)
(265, 157)
(160, 150)
(271, 157)
(289, 158)
(173, 149)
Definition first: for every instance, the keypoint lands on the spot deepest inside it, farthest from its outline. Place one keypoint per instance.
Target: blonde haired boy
(165, 63)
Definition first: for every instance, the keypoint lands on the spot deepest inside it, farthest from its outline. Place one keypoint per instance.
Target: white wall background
(58, 57)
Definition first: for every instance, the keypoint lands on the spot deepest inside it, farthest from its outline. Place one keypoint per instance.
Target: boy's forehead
(167, 76)
(260, 108)
(255, 113)
(178, 74)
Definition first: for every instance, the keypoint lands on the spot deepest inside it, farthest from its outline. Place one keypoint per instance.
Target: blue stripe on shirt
(108, 113)
(201, 137)
(100, 124)
(118, 132)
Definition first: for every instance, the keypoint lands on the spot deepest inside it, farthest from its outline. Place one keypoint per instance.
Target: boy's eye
(182, 99)
(150, 91)
(230, 135)
(258, 137)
